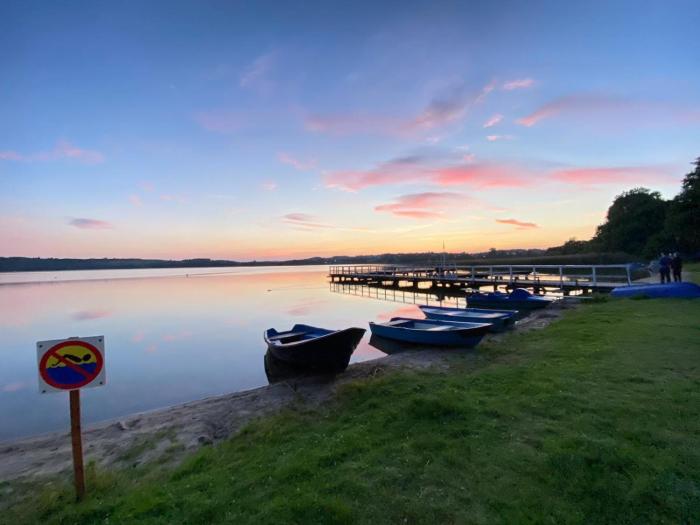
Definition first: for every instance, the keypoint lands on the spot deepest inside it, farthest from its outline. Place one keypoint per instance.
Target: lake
(171, 335)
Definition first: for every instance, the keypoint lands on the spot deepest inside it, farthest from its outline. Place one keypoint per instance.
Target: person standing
(665, 268)
(677, 267)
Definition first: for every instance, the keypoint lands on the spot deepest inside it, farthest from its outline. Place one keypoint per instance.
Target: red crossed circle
(53, 352)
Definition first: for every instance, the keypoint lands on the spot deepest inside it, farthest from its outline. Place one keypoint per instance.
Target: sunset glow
(276, 131)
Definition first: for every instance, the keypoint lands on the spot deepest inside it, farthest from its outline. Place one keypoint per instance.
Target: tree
(683, 218)
(633, 218)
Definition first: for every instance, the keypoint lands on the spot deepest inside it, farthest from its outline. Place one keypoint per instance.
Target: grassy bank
(594, 419)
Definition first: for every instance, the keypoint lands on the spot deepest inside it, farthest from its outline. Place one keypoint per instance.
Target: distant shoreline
(39, 264)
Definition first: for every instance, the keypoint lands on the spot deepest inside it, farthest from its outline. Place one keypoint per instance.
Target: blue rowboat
(516, 300)
(668, 290)
(315, 348)
(499, 321)
(431, 332)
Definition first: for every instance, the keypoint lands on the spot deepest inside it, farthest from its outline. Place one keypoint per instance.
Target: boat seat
(288, 337)
(440, 328)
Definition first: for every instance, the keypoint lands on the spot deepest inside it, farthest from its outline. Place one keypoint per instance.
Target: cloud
(495, 119)
(269, 186)
(300, 165)
(446, 108)
(611, 175)
(521, 225)
(90, 224)
(63, 150)
(86, 315)
(177, 336)
(494, 138)
(135, 200)
(427, 205)
(146, 185)
(305, 221)
(13, 387)
(256, 74)
(10, 155)
(219, 121)
(138, 337)
(573, 104)
(412, 169)
(518, 84)
(483, 176)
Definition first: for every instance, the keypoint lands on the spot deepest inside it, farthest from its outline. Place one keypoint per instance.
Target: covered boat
(313, 347)
(668, 290)
(519, 299)
(431, 332)
(499, 320)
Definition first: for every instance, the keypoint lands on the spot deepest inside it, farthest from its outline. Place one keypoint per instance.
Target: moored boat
(431, 332)
(654, 291)
(516, 300)
(313, 347)
(499, 320)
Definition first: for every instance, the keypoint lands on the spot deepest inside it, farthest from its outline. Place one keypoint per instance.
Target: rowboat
(516, 300)
(499, 320)
(314, 347)
(431, 332)
(668, 290)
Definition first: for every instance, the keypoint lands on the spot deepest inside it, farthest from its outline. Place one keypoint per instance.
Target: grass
(594, 419)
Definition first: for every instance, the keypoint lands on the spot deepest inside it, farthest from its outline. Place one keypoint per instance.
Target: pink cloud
(10, 155)
(494, 138)
(305, 221)
(573, 104)
(146, 185)
(296, 163)
(138, 337)
(87, 315)
(417, 169)
(168, 197)
(13, 387)
(483, 176)
(269, 186)
(90, 224)
(521, 225)
(135, 200)
(611, 175)
(169, 338)
(64, 150)
(495, 119)
(427, 205)
(518, 84)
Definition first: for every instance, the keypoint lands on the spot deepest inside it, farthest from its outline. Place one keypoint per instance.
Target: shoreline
(168, 434)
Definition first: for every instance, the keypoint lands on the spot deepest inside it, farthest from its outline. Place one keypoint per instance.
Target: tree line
(641, 223)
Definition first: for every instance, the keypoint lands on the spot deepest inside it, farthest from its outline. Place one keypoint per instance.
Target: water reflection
(389, 346)
(277, 370)
(168, 339)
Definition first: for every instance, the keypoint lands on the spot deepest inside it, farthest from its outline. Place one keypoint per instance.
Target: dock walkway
(565, 278)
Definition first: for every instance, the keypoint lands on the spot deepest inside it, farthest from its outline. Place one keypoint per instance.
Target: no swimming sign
(70, 364)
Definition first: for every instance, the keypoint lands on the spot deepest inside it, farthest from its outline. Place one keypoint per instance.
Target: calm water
(171, 335)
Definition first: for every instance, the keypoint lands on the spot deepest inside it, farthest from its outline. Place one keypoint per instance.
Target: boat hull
(499, 321)
(507, 302)
(667, 291)
(328, 352)
(466, 336)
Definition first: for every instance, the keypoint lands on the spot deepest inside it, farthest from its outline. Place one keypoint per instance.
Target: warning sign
(70, 364)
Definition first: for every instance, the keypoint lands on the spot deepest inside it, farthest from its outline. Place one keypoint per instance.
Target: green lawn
(595, 419)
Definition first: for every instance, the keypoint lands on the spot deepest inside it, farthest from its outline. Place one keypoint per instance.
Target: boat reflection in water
(277, 370)
(389, 346)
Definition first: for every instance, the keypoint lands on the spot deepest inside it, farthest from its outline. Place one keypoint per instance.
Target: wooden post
(77, 441)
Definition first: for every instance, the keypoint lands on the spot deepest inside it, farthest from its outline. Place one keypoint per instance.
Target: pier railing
(563, 275)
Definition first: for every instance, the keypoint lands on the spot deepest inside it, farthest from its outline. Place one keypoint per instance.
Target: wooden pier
(540, 278)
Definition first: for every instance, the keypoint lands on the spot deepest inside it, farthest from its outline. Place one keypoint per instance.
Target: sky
(275, 130)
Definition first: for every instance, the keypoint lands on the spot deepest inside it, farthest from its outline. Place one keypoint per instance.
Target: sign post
(71, 364)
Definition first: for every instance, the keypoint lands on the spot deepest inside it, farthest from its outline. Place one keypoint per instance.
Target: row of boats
(314, 348)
